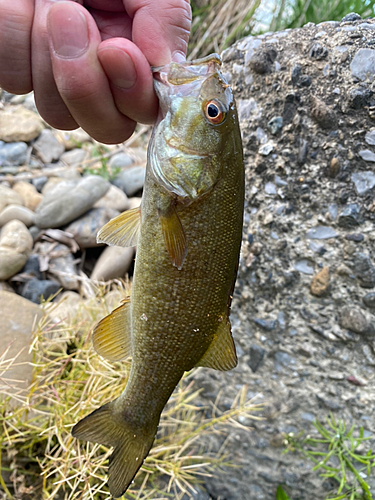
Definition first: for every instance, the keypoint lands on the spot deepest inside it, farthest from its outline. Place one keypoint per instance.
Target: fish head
(196, 119)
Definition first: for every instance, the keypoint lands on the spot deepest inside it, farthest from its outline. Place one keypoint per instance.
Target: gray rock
(364, 270)
(32, 267)
(85, 228)
(353, 319)
(352, 16)
(363, 64)
(270, 188)
(130, 180)
(68, 200)
(13, 153)
(350, 216)
(265, 324)
(114, 198)
(357, 237)
(369, 300)
(321, 233)
(39, 182)
(114, 262)
(74, 156)
(360, 96)
(63, 267)
(247, 109)
(35, 290)
(275, 124)
(47, 147)
(256, 357)
(304, 266)
(370, 137)
(363, 181)
(367, 155)
(283, 359)
(120, 161)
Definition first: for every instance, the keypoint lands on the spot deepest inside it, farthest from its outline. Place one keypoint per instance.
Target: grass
(40, 458)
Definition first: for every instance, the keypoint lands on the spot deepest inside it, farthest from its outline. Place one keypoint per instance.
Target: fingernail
(68, 31)
(178, 57)
(119, 66)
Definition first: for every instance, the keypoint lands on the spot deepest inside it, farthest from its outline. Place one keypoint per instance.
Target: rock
(364, 270)
(18, 316)
(66, 202)
(275, 124)
(320, 283)
(334, 167)
(13, 153)
(367, 155)
(370, 137)
(52, 182)
(360, 96)
(317, 51)
(85, 228)
(256, 357)
(36, 290)
(357, 237)
(353, 319)
(262, 60)
(18, 212)
(321, 233)
(5, 287)
(74, 156)
(113, 263)
(39, 182)
(67, 307)
(323, 114)
(369, 300)
(73, 138)
(270, 188)
(120, 161)
(30, 196)
(19, 124)
(363, 181)
(61, 265)
(265, 324)
(283, 359)
(8, 197)
(304, 266)
(32, 267)
(134, 202)
(15, 245)
(350, 216)
(363, 64)
(130, 180)
(47, 147)
(114, 198)
(352, 16)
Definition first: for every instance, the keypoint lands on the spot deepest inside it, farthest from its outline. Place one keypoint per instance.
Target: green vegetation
(341, 457)
(39, 456)
(102, 168)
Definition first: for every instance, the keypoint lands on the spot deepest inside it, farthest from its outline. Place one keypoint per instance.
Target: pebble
(9, 197)
(74, 156)
(334, 167)
(113, 262)
(19, 124)
(270, 188)
(350, 216)
(48, 148)
(61, 265)
(30, 196)
(262, 60)
(369, 300)
(304, 266)
(370, 137)
(275, 124)
(114, 198)
(18, 212)
(35, 290)
(13, 153)
(359, 97)
(120, 161)
(363, 181)
(357, 237)
(130, 180)
(323, 114)
(266, 149)
(321, 233)
(247, 108)
(73, 138)
(85, 228)
(67, 202)
(320, 283)
(367, 155)
(265, 324)
(352, 16)
(18, 317)
(363, 64)
(353, 319)
(39, 182)
(283, 359)
(318, 51)
(15, 245)
(256, 357)
(32, 267)
(364, 270)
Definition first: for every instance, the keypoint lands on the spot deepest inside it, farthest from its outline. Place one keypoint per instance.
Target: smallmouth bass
(188, 234)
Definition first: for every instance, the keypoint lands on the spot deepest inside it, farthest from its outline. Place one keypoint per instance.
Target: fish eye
(214, 112)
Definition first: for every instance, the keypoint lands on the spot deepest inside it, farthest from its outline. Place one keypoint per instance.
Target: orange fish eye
(214, 112)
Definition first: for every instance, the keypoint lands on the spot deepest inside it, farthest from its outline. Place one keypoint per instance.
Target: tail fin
(131, 446)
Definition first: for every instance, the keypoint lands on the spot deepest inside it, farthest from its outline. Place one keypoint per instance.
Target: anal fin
(221, 355)
(112, 335)
(122, 230)
(174, 235)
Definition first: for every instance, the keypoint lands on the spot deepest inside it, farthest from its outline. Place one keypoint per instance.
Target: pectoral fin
(221, 355)
(112, 335)
(123, 230)
(174, 235)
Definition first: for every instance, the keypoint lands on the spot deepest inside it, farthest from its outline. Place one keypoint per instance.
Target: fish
(188, 233)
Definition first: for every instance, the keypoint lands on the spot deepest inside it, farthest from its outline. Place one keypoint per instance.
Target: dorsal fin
(112, 335)
(221, 355)
(174, 235)
(122, 230)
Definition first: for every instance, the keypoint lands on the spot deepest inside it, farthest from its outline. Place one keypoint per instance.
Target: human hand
(89, 62)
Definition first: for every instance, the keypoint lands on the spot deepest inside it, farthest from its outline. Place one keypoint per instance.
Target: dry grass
(40, 459)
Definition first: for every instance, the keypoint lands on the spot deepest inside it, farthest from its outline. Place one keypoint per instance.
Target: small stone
(320, 283)
(370, 137)
(130, 180)
(19, 124)
(318, 52)
(351, 17)
(334, 167)
(353, 319)
(360, 96)
(275, 124)
(266, 149)
(67, 201)
(247, 108)
(32, 267)
(85, 228)
(18, 212)
(364, 270)
(323, 114)
(39, 182)
(114, 198)
(369, 300)
(367, 155)
(265, 324)
(304, 266)
(321, 233)
(256, 357)
(114, 262)
(309, 417)
(120, 161)
(270, 188)
(9, 197)
(363, 181)
(302, 151)
(47, 147)
(30, 196)
(363, 64)
(357, 237)
(283, 359)
(15, 245)
(61, 265)
(73, 138)
(350, 216)
(13, 153)
(262, 60)
(35, 290)
(74, 156)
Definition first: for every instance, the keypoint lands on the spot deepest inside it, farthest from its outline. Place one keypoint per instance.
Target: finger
(47, 98)
(131, 79)
(79, 76)
(15, 48)
(160, 28)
